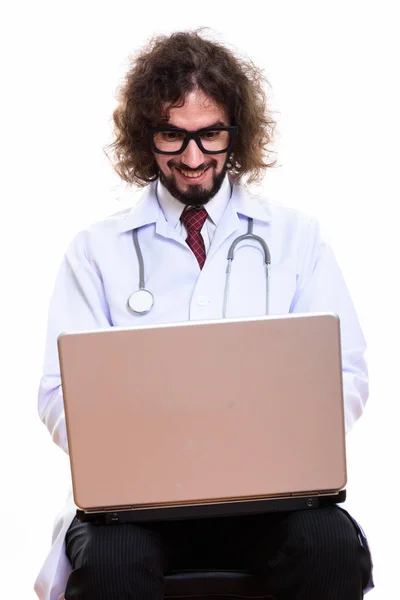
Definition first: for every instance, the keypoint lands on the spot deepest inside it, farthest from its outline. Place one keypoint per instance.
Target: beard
(195, 195)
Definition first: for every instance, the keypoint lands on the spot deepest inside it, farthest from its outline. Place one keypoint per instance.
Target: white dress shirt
(173, 208)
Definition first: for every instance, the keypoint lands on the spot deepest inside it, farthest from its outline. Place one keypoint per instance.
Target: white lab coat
(100, 271)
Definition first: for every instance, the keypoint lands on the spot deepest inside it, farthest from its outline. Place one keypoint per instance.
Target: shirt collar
(148, 209)
(173, 208)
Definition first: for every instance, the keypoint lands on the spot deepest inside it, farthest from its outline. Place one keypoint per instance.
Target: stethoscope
(142, 300)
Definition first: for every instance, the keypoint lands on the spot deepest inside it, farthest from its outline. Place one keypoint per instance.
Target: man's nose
(192, 156)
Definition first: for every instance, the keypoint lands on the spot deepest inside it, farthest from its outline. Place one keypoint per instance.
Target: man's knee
(327, 536)
(112, 562)
(122, 546)
(324, 528)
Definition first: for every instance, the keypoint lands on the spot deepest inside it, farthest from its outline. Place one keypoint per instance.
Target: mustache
(173, 163)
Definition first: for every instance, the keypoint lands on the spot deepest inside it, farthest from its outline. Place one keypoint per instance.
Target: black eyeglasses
(210, 140)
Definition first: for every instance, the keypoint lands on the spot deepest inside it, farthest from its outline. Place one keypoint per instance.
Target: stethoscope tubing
(139, 255)
(231, 254)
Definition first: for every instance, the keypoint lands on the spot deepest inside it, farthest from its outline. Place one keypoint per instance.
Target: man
(191, 122)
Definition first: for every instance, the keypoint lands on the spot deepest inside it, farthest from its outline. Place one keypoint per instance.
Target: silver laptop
(205, 418)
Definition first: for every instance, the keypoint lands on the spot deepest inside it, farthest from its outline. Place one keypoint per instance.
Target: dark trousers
(303, 555)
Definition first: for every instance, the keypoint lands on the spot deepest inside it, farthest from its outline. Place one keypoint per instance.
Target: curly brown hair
(159, 78)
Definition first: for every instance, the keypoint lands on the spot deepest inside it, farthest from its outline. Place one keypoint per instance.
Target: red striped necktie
(193, 219)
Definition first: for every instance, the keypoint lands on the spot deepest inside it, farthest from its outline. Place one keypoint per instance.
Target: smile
(193, 174)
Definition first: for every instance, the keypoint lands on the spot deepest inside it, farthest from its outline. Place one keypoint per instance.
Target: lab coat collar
(145, 211)
(242, 202)
(173, 209)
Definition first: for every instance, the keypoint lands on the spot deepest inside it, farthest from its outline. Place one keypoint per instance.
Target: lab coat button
(203, 301)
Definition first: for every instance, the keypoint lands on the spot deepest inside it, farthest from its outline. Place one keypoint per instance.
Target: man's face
(192, 176)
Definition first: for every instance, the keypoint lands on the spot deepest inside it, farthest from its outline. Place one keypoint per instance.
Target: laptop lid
(204, 411)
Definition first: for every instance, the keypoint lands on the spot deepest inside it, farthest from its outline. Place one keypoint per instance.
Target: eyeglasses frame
(192, 135)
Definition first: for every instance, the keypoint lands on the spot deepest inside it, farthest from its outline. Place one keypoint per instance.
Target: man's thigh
(309, 541)
(247, 542)
(209, 543)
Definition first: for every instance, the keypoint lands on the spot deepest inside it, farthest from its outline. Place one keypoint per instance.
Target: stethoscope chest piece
(141, 301)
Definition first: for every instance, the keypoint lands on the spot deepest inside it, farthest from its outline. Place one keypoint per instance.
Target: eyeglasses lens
(173, 141)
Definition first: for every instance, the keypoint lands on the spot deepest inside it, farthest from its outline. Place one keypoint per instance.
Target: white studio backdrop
(333, 68)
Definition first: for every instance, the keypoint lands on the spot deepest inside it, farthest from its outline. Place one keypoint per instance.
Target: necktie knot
(194, 219)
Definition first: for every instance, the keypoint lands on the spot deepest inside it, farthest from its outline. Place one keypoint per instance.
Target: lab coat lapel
(228, 225)
(241, 203)
(148, 211)
(164, 229)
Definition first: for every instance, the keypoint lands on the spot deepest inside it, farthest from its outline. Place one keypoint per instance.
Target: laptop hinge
(115, 509)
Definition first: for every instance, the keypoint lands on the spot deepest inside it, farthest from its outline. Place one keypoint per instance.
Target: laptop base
(218, 509)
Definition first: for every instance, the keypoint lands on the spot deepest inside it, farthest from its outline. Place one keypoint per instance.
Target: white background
(334, 70)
